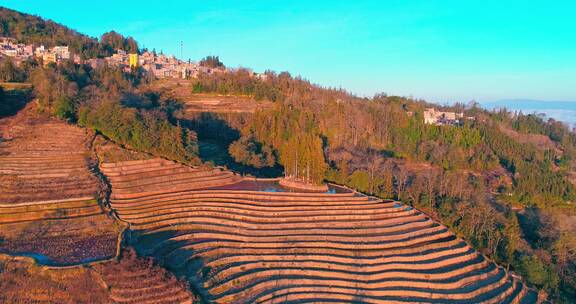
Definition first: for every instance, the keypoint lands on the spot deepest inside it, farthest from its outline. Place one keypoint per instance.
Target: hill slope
(49, 198)
(237, 245)
(31, 29)
(496, 189)
(35, 30)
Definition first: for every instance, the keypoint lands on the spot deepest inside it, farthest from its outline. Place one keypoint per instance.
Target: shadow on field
(13, 100)
(215, 134)
(172, 255)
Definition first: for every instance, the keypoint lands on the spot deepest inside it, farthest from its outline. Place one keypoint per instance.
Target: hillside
(35, 30)
(97, 161)
(50, 197)
(500, 180)
(128, 279)
(246, 246)
(179, 89)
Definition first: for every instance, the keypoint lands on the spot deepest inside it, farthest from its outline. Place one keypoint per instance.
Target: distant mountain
(564, 111)
(518, 104)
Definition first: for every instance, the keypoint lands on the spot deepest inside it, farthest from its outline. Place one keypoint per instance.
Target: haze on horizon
(442, 51)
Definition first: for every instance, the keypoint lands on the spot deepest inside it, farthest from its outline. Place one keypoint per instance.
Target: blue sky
(442, 51)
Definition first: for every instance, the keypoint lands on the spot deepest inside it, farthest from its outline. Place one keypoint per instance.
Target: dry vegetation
(540, 141)
(108, 151)
(44, 159)
(239, 246)
(139, 280)
(22, 281)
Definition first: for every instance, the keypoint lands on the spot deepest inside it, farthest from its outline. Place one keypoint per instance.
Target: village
(159, 65)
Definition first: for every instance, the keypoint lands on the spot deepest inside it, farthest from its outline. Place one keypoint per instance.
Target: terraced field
(48, 193)
(239, 246)
(133, 280)
(137, 178)
(128, 279)
(180, 89)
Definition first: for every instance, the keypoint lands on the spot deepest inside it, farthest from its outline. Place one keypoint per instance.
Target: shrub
(64, 108)
(537, 272)
(142, 130)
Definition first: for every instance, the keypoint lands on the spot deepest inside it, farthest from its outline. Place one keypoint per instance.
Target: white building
(62, 52)
(434, 117)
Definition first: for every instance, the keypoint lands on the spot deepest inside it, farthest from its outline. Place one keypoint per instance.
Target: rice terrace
(128, 175)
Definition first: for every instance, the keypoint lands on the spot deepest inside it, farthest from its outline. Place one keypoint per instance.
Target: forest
(509, 198)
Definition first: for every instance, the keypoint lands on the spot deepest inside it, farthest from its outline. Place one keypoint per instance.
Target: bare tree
(402, 177)
(430, 181)
(375, 161)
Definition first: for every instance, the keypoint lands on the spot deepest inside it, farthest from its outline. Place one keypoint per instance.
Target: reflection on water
(40, 258)
(43, 259)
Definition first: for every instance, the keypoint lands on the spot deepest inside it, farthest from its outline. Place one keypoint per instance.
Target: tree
(537, 272)
(360, 180)
(249, 152)
(401, 177)
(64, 108)
(50, 86)
(386, 183)
(430, 180)
(302, 157)
(513, 236)
(374, 161)
(114, 41)
(8, 71)
(211, 62)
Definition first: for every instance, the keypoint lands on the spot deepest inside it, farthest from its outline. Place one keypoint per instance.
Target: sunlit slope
(240, 246)
(49, 194)
(181, 90)
(128, 279)
(133, 280)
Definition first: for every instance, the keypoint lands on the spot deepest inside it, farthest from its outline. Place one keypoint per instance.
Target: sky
(442, 51)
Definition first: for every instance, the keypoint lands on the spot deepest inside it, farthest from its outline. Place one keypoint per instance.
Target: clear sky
(443, 50)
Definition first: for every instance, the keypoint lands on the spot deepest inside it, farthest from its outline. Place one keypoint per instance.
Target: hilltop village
(159, 65)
